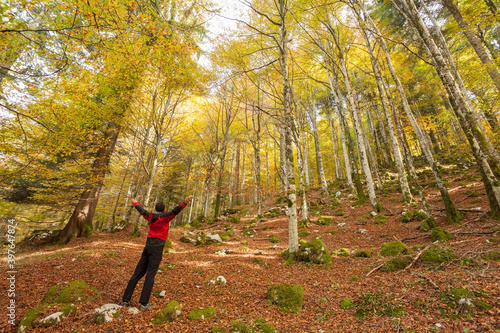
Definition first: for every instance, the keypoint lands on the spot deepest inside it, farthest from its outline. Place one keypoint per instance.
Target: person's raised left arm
(139, 208)
(180, 207)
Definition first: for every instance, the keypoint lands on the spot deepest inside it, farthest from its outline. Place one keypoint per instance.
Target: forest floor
(411, 300)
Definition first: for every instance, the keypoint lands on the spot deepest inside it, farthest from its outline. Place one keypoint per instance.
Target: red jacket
(159, 222)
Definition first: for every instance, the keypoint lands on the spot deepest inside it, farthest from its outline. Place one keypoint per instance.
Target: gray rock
(212, 239)
(362, 231)
(133, 311)
(220, 281)
(163, 293)
(52, 319)
(373, 214)
(105, 313)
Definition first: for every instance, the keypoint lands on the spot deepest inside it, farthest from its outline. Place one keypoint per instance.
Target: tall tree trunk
(319, 158)
(80, 223)
(357, 124)
(237, 175)
(403, 181)
(180, 216)
(464, 114)
(293, 238)
(336, 158)
(451, 211)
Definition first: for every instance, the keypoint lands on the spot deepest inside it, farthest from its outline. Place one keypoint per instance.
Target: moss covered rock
(264, 327)
(202, 313)
(463, 300)
(106, 313)
(304, 234)
(343, 252)
(346, 304)
(437, 255)
(241, 327)
(200, 239)
(75, 292)
(492, 255)
(428, 224)
(340, 212)
(441, 235)
(274, 239)
(324, 220)
(394, 248)
(315, 251)
(169, 313)
(288, 298)
(380, 219)
(396, 264)
(362, 254)
(29, 319)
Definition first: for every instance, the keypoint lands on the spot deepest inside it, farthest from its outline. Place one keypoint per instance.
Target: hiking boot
(124, 303)
(146, 307)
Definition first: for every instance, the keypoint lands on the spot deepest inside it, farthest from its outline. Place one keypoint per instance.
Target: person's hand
(134, 201)
(188, 199)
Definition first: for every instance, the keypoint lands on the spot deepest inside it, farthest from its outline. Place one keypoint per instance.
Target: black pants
(147, 265)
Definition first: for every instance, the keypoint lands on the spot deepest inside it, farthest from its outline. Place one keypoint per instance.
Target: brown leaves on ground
(106, 261)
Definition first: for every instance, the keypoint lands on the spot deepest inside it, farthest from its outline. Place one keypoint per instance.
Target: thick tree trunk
(293, 238)
(80, 223)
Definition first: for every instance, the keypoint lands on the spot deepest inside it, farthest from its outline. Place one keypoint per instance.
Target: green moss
(441, 235)
(407, 217)
(346, 304)
(285, 254)
(324, 220)
(74, 292)
(344, 252)
(168, 243)
(428, 224)
(264, 327)
(185, 239)
(468, 262)
(202, 313)
(249, 232)
(169, 313)
(217, 329)
(264, 228)
(200, 239)
(29, 318)
(354, 278)
(137, 232)
(362, 254)
(380, 219)
(340, 212)
(492, 255)
(419, 215)
(482, 305)
(379, 304)
(288, 298)
(241, 327)
(303, 224)
(87, 230)
(394, 248)
(333, 232)
(68, 309)
(274, 239)
(437, 255)
(315, 251)
(396, 264)
(234, 219)
(304, 234)
(198, 222)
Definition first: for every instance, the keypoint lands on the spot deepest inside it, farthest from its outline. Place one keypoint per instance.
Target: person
(158, 224)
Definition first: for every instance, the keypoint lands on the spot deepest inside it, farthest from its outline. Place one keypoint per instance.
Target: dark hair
(160, 207)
